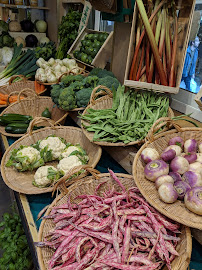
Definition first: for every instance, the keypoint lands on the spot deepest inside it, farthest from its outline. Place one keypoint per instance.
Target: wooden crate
(198, 98)
(185, 17)
(103, 55)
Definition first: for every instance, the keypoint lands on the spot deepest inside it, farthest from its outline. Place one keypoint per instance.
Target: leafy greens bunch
(13, 243)
(67, 32)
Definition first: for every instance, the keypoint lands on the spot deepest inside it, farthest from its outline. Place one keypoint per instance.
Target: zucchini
(19, 128)
(12, 118)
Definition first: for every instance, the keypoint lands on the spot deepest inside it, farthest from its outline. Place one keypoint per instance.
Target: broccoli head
(110, 82)
(91, 81)
(101, 73)
(78, 85)
(56, 90)
(83, 97)
(67, 99)
(67, 80)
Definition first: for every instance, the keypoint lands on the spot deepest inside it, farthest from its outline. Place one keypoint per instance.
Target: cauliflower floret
(54, 144)
(30, 152)
(68, 151)
(45, 176)
(66, 164)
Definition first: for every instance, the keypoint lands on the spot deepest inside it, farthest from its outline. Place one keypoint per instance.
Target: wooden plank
(22, 6)
(52, 20)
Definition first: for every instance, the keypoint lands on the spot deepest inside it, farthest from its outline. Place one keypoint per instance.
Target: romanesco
(67, 99)
(83, 97)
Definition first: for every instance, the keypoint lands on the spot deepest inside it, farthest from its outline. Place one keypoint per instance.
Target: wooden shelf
(21, 6)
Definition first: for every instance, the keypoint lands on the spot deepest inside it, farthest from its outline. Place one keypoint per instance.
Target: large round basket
(87, 186)
(22, 181)
(17, 87)
(176, 211)
(33, 105)
(102, 103)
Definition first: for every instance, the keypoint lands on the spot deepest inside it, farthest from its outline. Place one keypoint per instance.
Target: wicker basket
(17, 86)
(22, 181)
(105, 102)
(87, 186)
(33, 105)
(176, 211)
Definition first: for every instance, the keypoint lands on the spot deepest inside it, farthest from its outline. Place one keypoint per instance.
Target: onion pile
(177, 172)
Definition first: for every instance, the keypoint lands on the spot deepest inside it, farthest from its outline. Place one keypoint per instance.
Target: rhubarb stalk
(174, 51)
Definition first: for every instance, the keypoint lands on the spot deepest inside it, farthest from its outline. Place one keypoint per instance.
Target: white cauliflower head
(45, 176)
(68, 151)
(31, 153)
(66, 164)
(75, 150)
(53, 144)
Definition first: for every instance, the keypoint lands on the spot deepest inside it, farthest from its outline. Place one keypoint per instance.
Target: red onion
(149, 154)
(179, 165)
(176, 141)
(190, 145)
(190, 157)
(167, 193)
(163, 179)
(176, 176)
(168, 155)
(181, 188)
(194, 179)
(155, 169)
(177, 149)
(193, 200)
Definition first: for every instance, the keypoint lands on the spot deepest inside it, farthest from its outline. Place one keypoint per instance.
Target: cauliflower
(25, 158)
(45, 176)
(66, 164)
(76, 150)
(51, 148)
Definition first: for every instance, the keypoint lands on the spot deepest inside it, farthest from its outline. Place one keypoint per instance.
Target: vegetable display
(14, 245)
(117, 230)
(67, 32)
(51, 148)
(90, 46)
(45, 50)
(130, 118)
(178, 175)
(155, 50)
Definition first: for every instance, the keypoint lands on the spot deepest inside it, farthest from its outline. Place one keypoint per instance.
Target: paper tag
(85, 15)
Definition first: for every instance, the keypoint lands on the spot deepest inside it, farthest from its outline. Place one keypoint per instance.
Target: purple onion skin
(181, 188)
(167, 193)
(176, 141)
(176, 176)
(155, 169)
(190, 146)
(190, 157)
(179, 165)
(194, 179)
(193, 200)
(168, 155)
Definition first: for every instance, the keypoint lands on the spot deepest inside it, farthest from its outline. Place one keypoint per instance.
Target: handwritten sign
(85, 15)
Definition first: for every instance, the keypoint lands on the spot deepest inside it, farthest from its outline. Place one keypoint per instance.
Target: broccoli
(109, 82)
(101, 73)
(91, 81)
(67, 80)
(67, 99)
(83, 97)
(56, 90)
(78, 85)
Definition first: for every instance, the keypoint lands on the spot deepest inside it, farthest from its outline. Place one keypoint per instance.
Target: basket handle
(38, 120)
(27, 90)
(10, 95)
(65, 73)
(161, 122)
(66, 180)
(17, 76)
(104, 92)
(81, 72)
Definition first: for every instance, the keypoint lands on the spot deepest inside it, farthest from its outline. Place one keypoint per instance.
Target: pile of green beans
(130, 118)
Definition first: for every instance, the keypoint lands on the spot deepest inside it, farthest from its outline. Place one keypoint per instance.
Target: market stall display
(100, 241)
(22, 181)
(176, 210)
(125, 118)
(34, 106)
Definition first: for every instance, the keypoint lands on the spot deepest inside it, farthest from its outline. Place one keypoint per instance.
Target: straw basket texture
(88, 186)
(22, 181)
(17, 86)
(105, 102)
(176, 211)
(33, 105)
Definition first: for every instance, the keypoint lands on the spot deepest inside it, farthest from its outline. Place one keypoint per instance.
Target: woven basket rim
(18, 104)
(49, 131)
(160, 208)
(87, 133)
(90, 180)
